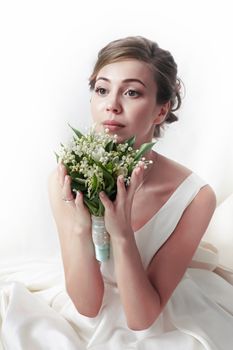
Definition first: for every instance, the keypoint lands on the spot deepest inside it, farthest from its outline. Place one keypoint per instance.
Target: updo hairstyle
(160, 61)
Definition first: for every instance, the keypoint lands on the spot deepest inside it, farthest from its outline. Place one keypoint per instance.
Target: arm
(140, 299)
(176, 254)
(84, 282)
(145, 293)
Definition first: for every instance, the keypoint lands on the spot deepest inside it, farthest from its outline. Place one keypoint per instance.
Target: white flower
(122, 171)
(82, 155)
(98, 153)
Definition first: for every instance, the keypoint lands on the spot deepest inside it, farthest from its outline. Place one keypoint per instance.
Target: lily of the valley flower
(95, 160)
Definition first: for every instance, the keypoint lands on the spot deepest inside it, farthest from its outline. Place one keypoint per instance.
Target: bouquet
(94, 161)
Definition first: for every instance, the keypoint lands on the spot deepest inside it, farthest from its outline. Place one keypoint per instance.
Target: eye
(100, 91)
(132, 93)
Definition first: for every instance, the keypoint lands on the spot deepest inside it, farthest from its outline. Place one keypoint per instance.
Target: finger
(136, 180)
(107, 203)
(79, 199)
(66, 190)
(61, 173)
(121, 190)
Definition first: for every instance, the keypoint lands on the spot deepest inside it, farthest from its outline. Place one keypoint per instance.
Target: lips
(112, 123)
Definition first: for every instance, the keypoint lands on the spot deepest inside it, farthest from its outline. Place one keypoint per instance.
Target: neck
(151, 155)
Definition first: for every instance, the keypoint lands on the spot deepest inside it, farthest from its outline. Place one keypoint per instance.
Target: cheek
(94, 111)
(141, 111)
(92, 108)
(96, 106)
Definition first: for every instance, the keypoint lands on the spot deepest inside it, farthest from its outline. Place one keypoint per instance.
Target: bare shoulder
(174, 173)
(171, 171)
(204, 203)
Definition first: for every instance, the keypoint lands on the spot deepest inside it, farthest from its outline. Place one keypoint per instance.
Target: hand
(118, 213)
(76, 213)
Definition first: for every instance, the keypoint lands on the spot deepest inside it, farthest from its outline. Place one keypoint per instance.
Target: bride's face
(124, 100)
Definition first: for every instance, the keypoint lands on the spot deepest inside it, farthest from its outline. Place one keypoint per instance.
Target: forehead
(127, 69)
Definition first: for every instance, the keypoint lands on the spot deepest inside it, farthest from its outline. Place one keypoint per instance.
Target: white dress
(36, 313)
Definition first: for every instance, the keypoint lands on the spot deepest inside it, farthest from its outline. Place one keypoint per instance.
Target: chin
(98, 127)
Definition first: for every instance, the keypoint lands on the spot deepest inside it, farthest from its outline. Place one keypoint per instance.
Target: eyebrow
(130, 80)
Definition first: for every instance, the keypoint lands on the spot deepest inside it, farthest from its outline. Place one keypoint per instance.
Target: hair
(160, 61)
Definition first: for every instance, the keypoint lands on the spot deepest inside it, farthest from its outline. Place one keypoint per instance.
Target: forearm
(84, 282)
(140, 300)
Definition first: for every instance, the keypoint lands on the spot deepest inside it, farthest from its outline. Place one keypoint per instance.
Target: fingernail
(121, 178)
(101, 194)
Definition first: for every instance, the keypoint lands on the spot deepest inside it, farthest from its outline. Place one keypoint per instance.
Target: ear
(162, 113)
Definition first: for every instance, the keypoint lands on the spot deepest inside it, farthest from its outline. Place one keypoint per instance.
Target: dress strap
(159, 228)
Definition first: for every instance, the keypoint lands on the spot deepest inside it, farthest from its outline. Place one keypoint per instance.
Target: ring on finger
(68, 200)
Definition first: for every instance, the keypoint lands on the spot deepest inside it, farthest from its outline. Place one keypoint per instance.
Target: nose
(113, 106)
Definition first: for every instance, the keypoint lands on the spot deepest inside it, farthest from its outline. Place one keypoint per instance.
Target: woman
(128, 99)
(143, 297)
(155, 225)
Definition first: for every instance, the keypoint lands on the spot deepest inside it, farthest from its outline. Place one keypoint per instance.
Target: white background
(48, 49)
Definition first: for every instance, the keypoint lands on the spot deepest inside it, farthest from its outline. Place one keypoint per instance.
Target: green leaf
(112, 194)
(78, 187)
(78, 180)
(95, 183)
(114, 146)
(92, 208)
(109, 146)
(131, 141)
(101, 209)
(109, 167)
(57, 156)
(108, 176)
(143, 149)
(78, 133)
